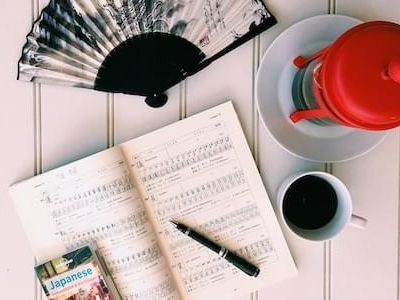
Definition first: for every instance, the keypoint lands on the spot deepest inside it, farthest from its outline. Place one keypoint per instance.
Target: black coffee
(310, 202)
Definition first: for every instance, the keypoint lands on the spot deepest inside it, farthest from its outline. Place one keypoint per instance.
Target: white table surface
(43, 127)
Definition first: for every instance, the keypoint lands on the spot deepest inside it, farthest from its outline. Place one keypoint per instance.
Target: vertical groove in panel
(110, 120)
(37, 127)
(254, 129)
(327, 270)
(332, 5)
(254, 142)
(398, 237)
(328, 245)
(182, 99)
(328, 167)
(38, 288)
(35, 10)
(331, 9)
(254, 126)
(252, 296)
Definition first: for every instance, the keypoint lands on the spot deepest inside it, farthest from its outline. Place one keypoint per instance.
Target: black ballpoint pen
(237, 261)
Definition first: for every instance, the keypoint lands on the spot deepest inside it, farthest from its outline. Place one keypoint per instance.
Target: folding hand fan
(140, 47)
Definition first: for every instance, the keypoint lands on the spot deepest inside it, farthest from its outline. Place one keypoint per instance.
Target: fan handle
(156, 100)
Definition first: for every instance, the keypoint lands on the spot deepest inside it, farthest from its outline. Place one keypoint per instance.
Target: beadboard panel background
(43, 127)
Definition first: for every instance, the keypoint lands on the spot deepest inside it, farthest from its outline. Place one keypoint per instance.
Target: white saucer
(274, 95)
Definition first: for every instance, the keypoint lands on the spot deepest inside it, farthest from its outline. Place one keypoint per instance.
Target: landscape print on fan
(140, 47)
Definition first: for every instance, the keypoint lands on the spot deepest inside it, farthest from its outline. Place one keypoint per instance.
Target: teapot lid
(360, 76)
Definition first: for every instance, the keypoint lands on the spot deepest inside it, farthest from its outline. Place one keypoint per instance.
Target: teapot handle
(308, 114)
(393, 70)
(301, 61)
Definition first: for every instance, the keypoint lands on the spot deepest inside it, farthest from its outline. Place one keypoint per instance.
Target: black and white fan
(140, 47)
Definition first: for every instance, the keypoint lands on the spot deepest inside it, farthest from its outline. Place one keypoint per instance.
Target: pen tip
(174, 223)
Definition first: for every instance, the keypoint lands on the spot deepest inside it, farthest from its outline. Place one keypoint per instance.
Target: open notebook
(198, 171)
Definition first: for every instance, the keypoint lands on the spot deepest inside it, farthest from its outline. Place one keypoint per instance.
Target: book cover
(77, 275)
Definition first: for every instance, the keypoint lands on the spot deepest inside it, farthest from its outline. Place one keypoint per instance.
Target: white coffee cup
(343, 216)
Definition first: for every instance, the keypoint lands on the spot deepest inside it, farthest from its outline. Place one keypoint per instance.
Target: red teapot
(355, 81)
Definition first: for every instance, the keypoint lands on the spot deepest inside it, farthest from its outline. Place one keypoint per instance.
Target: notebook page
(94, 200)
(200, 171)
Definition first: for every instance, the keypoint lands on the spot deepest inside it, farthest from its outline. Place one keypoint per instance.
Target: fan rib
(73, 34)
(73, 21)
(97, 25)
(110, 23)
(57, 38)
(33, 74)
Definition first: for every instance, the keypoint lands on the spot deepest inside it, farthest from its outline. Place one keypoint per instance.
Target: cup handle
(358, 222)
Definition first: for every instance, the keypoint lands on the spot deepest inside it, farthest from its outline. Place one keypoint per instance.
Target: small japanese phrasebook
(76, 275)
(140, 47)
